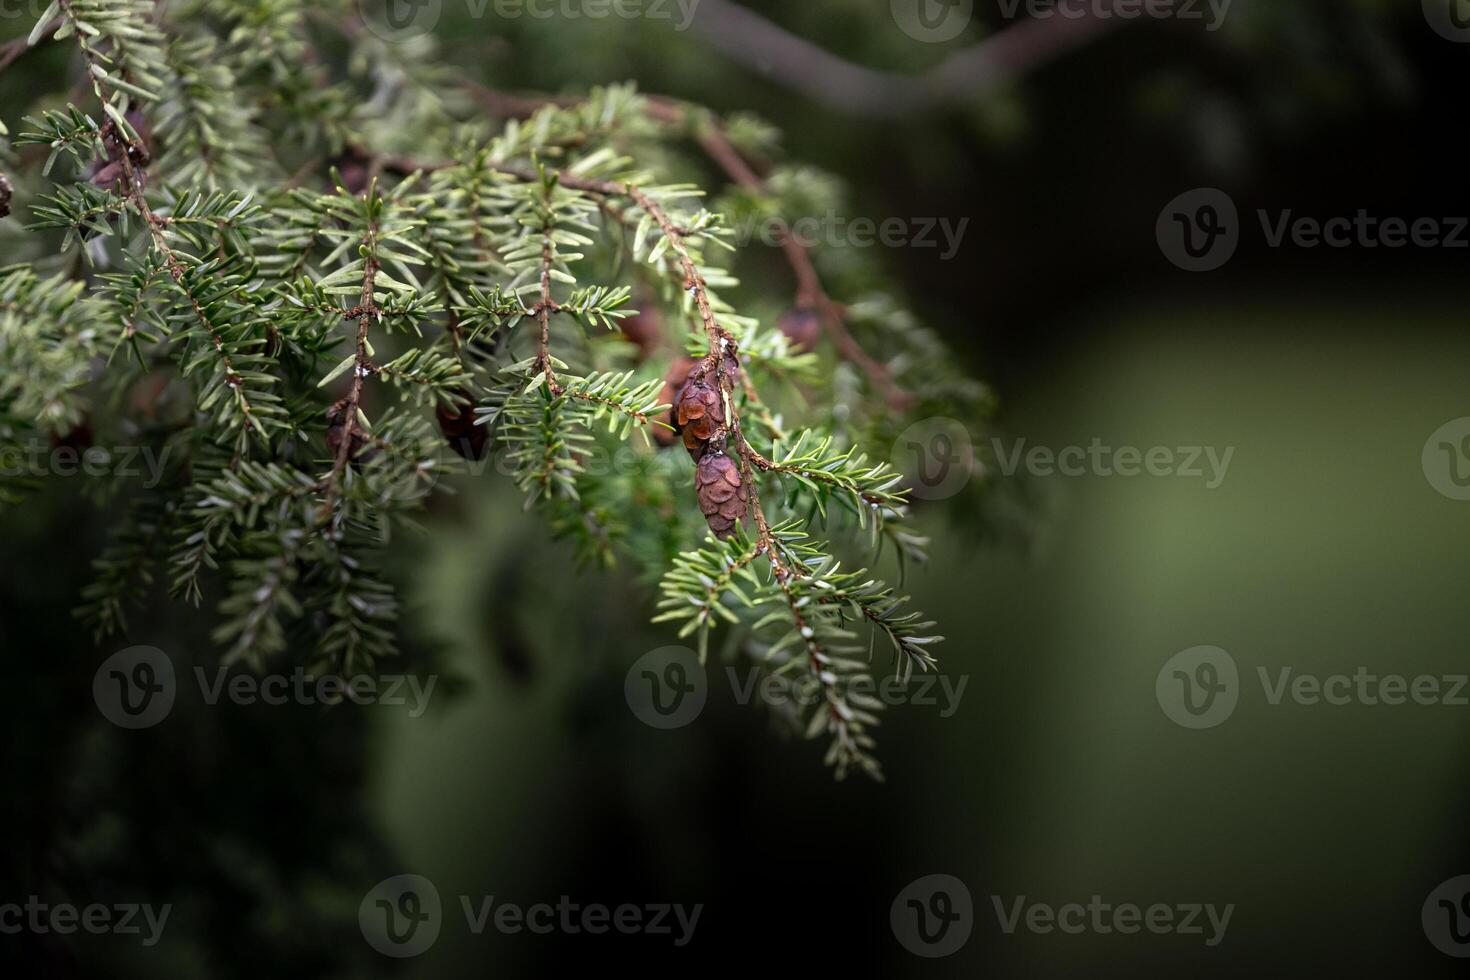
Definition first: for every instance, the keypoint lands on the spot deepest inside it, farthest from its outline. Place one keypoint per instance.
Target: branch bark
(764, 47)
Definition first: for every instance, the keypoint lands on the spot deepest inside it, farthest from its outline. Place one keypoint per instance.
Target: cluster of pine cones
(692, 387)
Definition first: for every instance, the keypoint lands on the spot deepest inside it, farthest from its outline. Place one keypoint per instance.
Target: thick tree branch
(749, 39)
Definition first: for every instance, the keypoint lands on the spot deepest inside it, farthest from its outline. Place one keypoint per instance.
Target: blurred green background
(1059, 777)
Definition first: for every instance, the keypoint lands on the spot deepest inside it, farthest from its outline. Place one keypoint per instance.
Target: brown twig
(712, 139)
(352, 404)
(778, 55)
(11, 51)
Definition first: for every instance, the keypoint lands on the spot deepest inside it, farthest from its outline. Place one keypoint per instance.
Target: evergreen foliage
(283, 268)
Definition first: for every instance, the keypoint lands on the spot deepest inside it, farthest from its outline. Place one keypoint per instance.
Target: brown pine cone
(673, 383)
(700, 410)
(457, 422)
(4, 197)
(803, 327)
(723, 496)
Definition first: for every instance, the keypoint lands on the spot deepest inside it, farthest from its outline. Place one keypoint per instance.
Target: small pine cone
(700, 410)
(803, 327)
(457, 422)
(723, 496)
(679, 373)
(4, 197)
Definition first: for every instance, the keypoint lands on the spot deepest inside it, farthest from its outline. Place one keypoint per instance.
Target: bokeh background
(1325, 549)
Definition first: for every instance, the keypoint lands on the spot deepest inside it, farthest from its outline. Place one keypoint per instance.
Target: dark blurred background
(1325, 549)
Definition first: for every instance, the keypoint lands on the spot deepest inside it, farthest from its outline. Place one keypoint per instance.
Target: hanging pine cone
(4, 197)
(457, 422)
(803, 327)
(699, 411)
(723, 496)
(679, 373)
